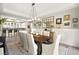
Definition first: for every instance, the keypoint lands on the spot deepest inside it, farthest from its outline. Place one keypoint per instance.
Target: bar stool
(4, 32)
(15, 32)
(10, 32)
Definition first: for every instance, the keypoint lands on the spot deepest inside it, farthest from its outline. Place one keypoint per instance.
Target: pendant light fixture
(33, 12)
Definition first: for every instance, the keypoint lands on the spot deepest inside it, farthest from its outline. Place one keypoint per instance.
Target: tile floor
(14, 47)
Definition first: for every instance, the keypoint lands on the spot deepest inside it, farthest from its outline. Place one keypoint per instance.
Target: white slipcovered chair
(56, 45)
(28, 42)
(52, 49)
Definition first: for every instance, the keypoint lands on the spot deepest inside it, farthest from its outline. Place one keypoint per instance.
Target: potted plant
(2, 20)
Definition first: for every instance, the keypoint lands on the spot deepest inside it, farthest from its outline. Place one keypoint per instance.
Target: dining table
(39, 39)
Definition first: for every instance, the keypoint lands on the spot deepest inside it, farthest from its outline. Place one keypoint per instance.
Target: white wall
(73, 14)
(70, 35)
(1, 7)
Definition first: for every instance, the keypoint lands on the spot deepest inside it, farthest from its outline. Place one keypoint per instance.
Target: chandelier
(34, 14)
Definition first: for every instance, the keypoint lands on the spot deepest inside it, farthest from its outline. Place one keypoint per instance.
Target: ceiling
(24, 10)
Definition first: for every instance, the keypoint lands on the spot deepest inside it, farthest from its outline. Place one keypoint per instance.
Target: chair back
(28, 42)
(32, 45)
(46, 33)
(56, 44)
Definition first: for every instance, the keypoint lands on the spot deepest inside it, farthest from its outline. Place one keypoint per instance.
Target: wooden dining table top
(40, 38)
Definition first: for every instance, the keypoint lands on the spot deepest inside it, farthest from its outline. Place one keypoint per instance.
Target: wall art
(75, 20)
(66, 17)
(75, 25)
(58, 20)
(66, 23)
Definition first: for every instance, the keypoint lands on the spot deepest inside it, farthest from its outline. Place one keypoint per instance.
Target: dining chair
(28, 43)
(46, 33)
(52, 49)
(32, 47)
(56, 44)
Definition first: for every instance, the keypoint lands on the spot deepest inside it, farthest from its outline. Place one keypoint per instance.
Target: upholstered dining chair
(52, 49)
(56, 44)
(32, 47)
(28, 43)
(46, 33)
(50, 35)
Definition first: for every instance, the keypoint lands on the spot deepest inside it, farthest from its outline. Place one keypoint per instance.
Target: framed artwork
(75, 25)
(48, 19)
(66, 17)
(75, 20)
(66, 23)
(43, 25)
(58, 20)
(44, 20)
(52, 18)
(51, 21)
(39, 23)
